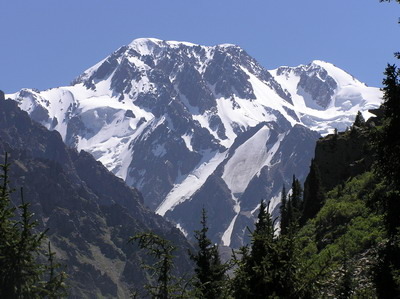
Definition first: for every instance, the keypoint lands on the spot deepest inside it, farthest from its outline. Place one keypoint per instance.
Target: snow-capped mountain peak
(183, 122)
(145, 46)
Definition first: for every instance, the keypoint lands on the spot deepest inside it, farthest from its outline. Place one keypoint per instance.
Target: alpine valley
(193, 126)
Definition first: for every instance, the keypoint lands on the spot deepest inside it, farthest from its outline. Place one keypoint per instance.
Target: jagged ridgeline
(193, 126)
(90, 213)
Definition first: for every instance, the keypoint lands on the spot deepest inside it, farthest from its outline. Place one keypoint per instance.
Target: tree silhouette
(21, 275)
(210, 272)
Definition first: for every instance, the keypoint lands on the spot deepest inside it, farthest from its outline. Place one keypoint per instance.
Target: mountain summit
(193, 126)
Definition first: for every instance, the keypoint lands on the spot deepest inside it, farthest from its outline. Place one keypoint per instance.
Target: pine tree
(240, 285)
(287, 284)
(293, 207)
(313, 193)
(286, 280)
(210, 272)
(284, 212)
(297, 194)
(387, 272)
(21, 275)
(387, 276)
(335, 132)
(257, 271)
(388, 145)
(263, 235)
(269, 268)
(388, 148)
(161, 250)
(359, 121)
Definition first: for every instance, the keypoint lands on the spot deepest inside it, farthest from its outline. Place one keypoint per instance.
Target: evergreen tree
(313, 193)
(359, 121)
(286, 278)
(284, 212)
(210, 272)
(257, 271)
(161, 250)
(293, 207)
(297, 195)
(388, 158)
(21, 275)
(287, 284)
(335, 132)
(240, 285)
(263, 235)
(388, 148)
(387, 272)
(270, 267)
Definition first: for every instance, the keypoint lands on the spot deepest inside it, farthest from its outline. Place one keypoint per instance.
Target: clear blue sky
(47, 43)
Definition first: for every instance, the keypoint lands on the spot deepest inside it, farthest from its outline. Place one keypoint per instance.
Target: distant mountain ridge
(193, 126)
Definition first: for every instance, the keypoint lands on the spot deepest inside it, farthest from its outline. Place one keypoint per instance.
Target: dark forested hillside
(341, 240)
(89, 212)
(351, 241)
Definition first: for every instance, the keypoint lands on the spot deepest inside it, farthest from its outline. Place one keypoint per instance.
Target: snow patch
(187, 138)
(246, 161)
(184, 190)
(184, 232)
(227, 235)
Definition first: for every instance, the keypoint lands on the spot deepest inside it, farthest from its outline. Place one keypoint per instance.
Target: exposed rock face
(90, 213)
(186, 124)
(315, 83)
(340, 157)
(346, 154)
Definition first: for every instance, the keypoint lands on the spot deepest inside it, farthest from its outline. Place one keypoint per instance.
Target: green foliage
(269, 268)
(163, 284)
(313, 193)
(331, 256)
(21, 275)
(254, 274)
(240, 283)
(284, 224)
(388, 139)
(291, 208)
(296, 196)
(340, 242)
(210, 272)
(387, 146)
(359, 121)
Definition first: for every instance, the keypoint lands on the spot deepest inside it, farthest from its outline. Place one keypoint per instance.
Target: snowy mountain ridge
(180, 121)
